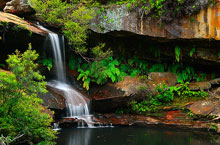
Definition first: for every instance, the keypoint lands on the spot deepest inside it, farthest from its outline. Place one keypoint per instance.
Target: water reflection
(135, 136)
(75, 137)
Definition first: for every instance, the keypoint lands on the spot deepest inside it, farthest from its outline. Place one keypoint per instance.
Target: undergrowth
(114, 69)
(165, 96)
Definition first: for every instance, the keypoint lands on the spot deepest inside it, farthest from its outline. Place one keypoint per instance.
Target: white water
(77, 105)
(58, 59)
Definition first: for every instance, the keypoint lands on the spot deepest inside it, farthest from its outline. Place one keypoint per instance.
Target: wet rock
(53, 99)
(163, 77)
(18, 7)
(69, 122)
(179, 120)
(108, 97)
(195, 86)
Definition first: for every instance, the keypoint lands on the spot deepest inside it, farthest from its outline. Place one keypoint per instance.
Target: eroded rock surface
(10, 18)
(177, 119)
(203, 25)
(108, 97)
(18, 7)
(54, 99)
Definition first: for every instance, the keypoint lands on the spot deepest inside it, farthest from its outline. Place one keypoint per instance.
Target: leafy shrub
(165, 95)
(115, 69)
(74, 20)
(22, 116)
(46, 61)
(100, 72)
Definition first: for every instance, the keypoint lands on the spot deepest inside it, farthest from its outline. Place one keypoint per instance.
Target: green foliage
(177, 53)
(192, 51)
(158, 67)
(74, 62)
(74, 20)
(133, 67)
(165, 95)
(48, 62)
(100, 72)
(22, 116)
(2, 65)
(99, 53)
(76, 28)
(186, 73)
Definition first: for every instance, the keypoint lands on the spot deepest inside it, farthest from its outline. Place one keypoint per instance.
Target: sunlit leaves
(21, 112)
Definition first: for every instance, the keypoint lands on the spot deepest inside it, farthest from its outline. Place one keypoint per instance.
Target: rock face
(130, 33)
(3, 4)
(18, 7)
(204, 25)
(10, 18)
(176, 119)
(115, 95)
(17, 33)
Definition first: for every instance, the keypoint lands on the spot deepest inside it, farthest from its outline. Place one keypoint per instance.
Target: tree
(22, 117)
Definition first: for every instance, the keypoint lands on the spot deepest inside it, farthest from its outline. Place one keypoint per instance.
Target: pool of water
(135, 136)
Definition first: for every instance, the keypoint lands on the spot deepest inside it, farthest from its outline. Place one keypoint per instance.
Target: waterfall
(58, 59)
(77, 105)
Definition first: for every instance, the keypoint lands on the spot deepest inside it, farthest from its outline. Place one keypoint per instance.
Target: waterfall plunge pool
(135, 136)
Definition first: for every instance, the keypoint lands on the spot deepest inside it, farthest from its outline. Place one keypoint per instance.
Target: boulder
(109, 97)
(207, 108)
(195, 86)
(163, 77)
(53, 99)
(18, 7)
(202, 107)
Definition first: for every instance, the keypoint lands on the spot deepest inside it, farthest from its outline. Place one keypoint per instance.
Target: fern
(100, 71)
(192, 51)
(177, 53)
(157, 68)
(74, 62)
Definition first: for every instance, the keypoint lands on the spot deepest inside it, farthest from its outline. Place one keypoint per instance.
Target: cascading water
(58, 59)
(77, 105)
